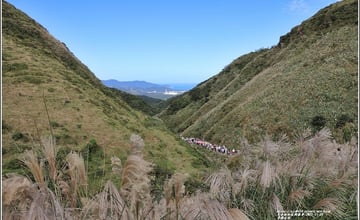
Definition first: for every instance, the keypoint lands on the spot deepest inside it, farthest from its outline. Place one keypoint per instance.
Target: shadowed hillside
(46, 90)
(308, 80)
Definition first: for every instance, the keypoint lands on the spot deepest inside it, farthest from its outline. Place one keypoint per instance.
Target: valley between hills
(73, 148)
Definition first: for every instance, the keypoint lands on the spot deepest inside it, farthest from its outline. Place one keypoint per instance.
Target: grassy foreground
(313, 173)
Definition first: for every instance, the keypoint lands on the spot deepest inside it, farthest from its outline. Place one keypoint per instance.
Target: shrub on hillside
(20, 136)
(342, 120)
(92, 150)
(200, 92)
(177, 103)
(318, 122)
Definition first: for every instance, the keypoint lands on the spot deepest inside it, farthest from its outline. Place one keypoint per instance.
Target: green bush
(178, 103)
(33, 79)
(65, 139)
(54, 124)
(342, 120)
(349, 130)
(318, 122)
(15, 166)
(160, 174)
(14, 67)
(92, 150)
(19, 136)
(199, 93)
(61, 156)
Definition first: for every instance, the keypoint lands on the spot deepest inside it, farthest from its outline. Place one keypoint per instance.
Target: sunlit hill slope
(308, 80)
(46, 91)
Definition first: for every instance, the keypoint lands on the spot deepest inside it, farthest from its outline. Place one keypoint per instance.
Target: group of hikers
(213, 147)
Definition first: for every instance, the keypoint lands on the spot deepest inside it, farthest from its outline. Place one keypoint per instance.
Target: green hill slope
(47, 90)
(308, 80)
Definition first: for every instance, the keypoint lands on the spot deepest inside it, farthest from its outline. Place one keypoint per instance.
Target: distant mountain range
(143, 88)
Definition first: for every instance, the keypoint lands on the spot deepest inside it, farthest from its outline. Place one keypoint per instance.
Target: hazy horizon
(175, 86)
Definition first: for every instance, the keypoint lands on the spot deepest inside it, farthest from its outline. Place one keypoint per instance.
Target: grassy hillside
(113, 162)
(308, 80)
(46, 91)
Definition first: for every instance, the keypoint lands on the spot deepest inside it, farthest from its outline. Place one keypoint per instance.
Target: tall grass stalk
(135, 182)
(221, 184)
(174, 190)
(267, 175)
(77, 173)
(108, 203)
(50, 155)
(31, 161)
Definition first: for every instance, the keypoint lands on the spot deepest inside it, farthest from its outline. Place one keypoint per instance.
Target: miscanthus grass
(311, 173)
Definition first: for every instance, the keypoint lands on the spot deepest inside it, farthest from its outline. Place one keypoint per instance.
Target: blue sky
(166, 41)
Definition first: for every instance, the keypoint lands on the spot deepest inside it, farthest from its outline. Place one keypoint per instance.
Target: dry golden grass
(135, 171)
(294, 174)
(297, 196)
(107, 203)
(15, 188)
(137, 144)
(221, 184)
(134, 179)
(135, 182)
(255, 191)
(78, 177)
(202, 206)
(50, 155)
(269, 147)
(243, 179)
(24, 200)
(45, 205)
(276, 203)
(116, 165)
(248, 205)
(267, 175)
(135, 193)
(31, 161)
(174, 191)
